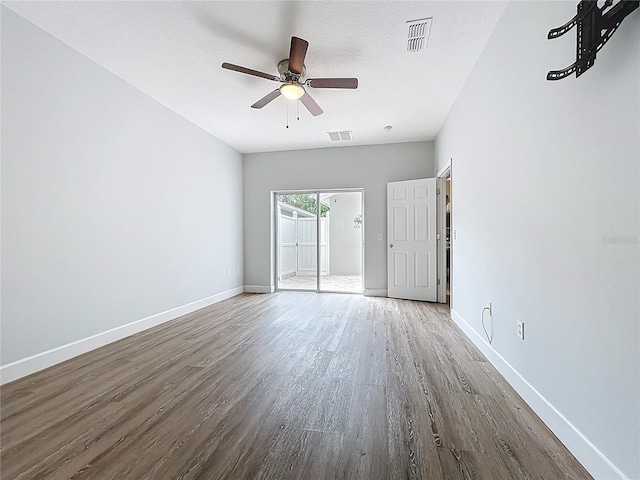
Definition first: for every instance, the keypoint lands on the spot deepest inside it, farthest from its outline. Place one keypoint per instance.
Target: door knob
(391, 245)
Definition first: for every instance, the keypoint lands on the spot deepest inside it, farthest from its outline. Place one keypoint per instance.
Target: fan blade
(266, 99)
(248, 71)
(296, 54)
(333, 82)
(311, 104)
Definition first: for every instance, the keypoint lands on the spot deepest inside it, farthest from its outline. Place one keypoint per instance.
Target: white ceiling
(172, 51)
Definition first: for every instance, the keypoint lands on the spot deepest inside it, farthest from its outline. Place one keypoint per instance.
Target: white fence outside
(297, 239)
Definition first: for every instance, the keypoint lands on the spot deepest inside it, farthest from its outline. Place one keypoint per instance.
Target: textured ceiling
(172, 51)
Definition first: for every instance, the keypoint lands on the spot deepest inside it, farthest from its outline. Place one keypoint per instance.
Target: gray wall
(114, 208)
(546, 207)
(368, 167)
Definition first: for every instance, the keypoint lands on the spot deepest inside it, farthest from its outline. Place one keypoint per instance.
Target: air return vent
(341, 136)
(418, 34)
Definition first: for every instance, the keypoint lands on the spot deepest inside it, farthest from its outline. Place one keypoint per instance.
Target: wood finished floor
(288, 385)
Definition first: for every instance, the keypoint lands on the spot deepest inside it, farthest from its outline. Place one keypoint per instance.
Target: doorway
(319, 243)
(448, 238)
(448, 233)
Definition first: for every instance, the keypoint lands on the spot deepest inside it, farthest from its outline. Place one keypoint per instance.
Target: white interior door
(411, 235)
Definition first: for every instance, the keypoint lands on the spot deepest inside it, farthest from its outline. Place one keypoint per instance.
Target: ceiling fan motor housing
(286, 75)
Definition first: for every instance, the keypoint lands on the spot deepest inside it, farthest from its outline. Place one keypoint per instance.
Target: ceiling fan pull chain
(298, 108)
(287, 117)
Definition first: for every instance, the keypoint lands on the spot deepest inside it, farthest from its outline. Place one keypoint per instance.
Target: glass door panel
(297, 241)
(341, 242)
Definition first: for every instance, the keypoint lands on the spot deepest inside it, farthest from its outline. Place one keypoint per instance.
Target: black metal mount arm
(595, 28)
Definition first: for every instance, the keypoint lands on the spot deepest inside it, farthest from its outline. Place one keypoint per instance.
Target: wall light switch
(380, 237)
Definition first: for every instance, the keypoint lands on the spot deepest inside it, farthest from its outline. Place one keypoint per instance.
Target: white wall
(546, 209)
(368, 167)
(114, 208)
(345, 241)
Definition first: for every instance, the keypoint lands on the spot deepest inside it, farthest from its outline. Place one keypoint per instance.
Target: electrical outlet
(238, 270)
(380, 236)
(521, 329)
(227, 272)
(490, 307)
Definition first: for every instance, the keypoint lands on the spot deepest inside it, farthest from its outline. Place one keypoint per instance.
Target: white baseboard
(40, 361)
(596, 463)
(375, 292)
(258, 289)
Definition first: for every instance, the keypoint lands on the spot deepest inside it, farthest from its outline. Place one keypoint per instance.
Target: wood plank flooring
(283, 386)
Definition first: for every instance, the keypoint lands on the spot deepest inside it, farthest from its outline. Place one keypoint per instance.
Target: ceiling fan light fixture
(292, 90)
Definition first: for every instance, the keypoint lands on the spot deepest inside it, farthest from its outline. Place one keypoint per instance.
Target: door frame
(275, 223)
(441, 182)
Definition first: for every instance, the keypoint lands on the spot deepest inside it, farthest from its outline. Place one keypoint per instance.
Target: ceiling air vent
(341, 136)
(418, 35)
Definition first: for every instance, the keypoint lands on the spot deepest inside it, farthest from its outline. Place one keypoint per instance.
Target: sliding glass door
(319, 240)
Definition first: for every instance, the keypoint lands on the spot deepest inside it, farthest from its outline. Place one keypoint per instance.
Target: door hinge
(437, 236)
(437, 191)
(438, 283)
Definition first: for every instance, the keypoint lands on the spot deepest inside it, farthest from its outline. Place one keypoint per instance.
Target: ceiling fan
(292, 77)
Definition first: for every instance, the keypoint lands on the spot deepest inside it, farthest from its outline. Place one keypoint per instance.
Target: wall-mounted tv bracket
(595, 28)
